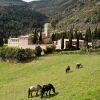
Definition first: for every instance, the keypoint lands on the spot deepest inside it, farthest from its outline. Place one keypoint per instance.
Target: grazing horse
(47, 88)
(33, 89)
(67, 69)
(79, 65)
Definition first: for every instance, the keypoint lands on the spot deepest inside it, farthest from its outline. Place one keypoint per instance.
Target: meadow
(79, 84)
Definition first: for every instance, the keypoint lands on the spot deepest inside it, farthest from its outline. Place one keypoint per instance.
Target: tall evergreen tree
(70, 38)
(94, 35)
(1, 40)
(35, 37)
(53, 37)
(77, 37)
(62, 41)
(88, 37)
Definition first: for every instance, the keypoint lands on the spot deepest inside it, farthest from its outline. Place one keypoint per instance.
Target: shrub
(16, 54)
(38, 51)
(49, 49)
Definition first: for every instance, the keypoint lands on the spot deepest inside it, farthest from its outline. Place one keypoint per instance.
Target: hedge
(16, 54)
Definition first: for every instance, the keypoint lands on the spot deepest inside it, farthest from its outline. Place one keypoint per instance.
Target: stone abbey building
(27, 42)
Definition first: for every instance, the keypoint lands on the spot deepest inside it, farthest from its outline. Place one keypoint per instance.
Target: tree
(77, 37)
(70, 38)
(35, 37)
(1, 40)
(53, 37)
(62, 41)
(54, 22)
(38, 51)
(88, 37)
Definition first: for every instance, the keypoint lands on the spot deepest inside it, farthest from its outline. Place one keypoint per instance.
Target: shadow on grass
(30, 60)
(51, 95)
(69, 72)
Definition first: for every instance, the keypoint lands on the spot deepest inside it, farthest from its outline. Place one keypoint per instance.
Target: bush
(38, 51)
(49, 49)
(16, 54)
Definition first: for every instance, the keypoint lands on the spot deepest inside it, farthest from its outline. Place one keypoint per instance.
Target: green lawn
(82, 84)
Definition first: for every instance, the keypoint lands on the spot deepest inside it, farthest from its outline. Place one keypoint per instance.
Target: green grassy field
(82, 84)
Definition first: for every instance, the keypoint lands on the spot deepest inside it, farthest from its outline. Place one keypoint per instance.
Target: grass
(82, 84)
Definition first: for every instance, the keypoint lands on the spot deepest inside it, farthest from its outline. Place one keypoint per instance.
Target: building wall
(47, 29)
(13, 42)
(66, 42)
(21, 41)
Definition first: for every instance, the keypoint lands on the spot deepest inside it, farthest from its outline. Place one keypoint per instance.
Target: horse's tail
(29, 92)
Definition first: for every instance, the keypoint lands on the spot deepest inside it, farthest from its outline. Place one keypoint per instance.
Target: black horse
(79, 65)
(47, 88)
(67, 69)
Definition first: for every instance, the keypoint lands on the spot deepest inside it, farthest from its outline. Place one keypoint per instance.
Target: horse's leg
(36, 93)
(46, 93)
(28, 93)
(42, 95)
(31, 94)
(49, 92)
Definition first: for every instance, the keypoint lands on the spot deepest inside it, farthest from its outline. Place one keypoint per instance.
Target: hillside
(17, 17)
(11, 2)
(70, 12)
(54, 7)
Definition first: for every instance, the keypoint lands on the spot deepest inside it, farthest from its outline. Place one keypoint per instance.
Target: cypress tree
(62, 41)
(35, 37)
(77, 37)
(53, 37)
(89, 35)
(70, 38)
(1, 40)
(86, 39)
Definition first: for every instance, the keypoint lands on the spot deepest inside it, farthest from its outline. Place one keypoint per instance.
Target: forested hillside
(67, 13)
(11, 2)
(18, 18)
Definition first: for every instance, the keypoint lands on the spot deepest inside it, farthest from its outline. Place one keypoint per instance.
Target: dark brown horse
(67, 69)
(79, 65)
(47, 88)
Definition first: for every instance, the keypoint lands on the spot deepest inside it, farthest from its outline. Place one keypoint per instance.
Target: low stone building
(66, 43)
(27, 41)
(20, 41)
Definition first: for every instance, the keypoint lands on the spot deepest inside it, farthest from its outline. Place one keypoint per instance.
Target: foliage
(70, 38)
(1, 40)
(19, 19)
(15, 54)
(88, 37)
(62, 42)
(49, 49)
(38, 51)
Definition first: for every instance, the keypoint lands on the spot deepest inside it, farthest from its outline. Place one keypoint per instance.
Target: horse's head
(52, 87)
